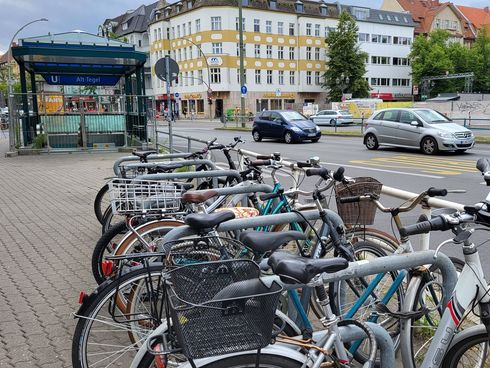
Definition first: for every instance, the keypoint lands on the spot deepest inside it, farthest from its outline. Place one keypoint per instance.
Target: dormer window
(300, 8)
(189, 4)
(245, 2)
(167, 11)
(360, 13)
(323, 10)
(179, 6)
(272, 4)
(125, 26)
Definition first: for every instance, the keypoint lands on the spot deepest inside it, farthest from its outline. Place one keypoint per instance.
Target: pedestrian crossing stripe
(432, 165)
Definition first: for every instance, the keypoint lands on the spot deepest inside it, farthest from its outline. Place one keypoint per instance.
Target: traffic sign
(161, 68)
(177, 94)
(244, 90)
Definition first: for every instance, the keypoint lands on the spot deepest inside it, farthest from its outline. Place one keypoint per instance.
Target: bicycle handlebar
(261, 163)
(434, 192)
(439, 223)
(321, 171)
(352, 199)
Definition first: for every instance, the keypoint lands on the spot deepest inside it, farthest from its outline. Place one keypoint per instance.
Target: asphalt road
(400, 168)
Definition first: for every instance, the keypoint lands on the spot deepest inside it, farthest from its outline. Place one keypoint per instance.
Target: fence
(54, 121)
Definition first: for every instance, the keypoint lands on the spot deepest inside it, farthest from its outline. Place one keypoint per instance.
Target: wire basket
(133, 196)
(221, 307)
(359, 213)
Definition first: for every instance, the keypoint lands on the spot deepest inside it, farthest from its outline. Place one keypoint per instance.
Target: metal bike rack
(153, 157)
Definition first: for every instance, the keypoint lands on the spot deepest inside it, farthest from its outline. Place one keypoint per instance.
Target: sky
(86, 15)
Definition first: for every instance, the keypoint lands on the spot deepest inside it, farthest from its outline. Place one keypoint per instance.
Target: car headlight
(445, 135)
(471, 135)
(317, 128)
(296, 129)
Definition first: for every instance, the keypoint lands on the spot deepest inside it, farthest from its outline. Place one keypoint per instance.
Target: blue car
(286, 125)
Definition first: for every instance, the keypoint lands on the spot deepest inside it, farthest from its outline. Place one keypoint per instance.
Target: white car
(332, 117)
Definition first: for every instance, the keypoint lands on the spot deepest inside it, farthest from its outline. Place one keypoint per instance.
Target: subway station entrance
(56, 117)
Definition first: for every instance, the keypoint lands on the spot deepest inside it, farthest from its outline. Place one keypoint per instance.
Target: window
(184, 50)
(455, 24)
(390, 115)
(363, 37)
(308, 78)
(199, 77)
(317, 30)
(380, 16)
(280, 28)
(183, 30)
(401, 82)
(308, 29)
(237, 49)
(388, 17)
(272, 4)
(291, 29)
(299, 7)
(198, 25)
(291, 77)
(317, 78)
(280, 52)
(168, 33)
(268, 26)
(380, 81)
(291, 53)
(256, 25)
(238, 76)
(402, 40)
(215, 75)
(317, 53)
(257, 76)
(281, 76)
(180, 55)
(308, 53)
(382, 60)
(268, 51)
(269, 77)
(323, 9)
(178, 31)
(154, 34)
(237, 24)
(376, 38)
(446, 24)
(216, 23)
(360, 13)
(189, 4)
(438, 23)
(173, 32)
(406, 117)
(401, 61)
(396, 18)
(189, 28)
(125, 26)
(257, 51)
(217, 48)
(191, 78)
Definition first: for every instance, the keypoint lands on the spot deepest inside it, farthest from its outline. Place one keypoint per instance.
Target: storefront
(275, 101)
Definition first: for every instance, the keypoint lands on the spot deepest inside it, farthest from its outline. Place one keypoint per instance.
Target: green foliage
(436, 55)
(345, 59)
(39, 141)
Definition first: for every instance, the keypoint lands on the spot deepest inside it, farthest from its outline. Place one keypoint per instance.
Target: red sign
(164, 97)
(385, 96)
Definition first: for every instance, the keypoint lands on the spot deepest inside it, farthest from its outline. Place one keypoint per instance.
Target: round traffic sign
(161, 68)
(243, 89)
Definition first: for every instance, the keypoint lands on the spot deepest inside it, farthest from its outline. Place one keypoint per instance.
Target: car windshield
(292, 115)
(432, 116)
(344, 112)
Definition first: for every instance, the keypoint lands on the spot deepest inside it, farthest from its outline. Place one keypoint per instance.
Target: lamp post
(10, 84)
(209, 71)
(343, 82)
(242, 69)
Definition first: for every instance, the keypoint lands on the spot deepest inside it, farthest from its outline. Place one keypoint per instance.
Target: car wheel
(461, 151)
(429, 146)
(288, 137)
(256, 135)
(332, 122)
(371, 142)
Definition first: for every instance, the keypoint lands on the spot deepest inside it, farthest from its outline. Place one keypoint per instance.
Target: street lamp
(209, 71)
(343, 82)
(10, 84)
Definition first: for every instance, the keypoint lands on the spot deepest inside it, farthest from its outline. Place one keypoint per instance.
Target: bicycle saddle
(199, 196)
(204, 221)
(262, 242)
(143, 154)
(294, 269)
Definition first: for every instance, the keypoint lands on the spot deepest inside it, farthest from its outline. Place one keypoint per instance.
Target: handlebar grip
(263, 157)
(265, 197)
(436, 224)
(338, 175)
(217, 147)
(434, 192)
(323, 172)
(261, 163)
(352, 199)
(303, 164)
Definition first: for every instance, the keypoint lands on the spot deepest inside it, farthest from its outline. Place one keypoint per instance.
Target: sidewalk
(47, 234)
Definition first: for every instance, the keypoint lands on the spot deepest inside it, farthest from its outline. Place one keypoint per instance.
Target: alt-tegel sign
(81, 80)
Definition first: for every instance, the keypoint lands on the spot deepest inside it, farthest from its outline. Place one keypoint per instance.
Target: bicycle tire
(454, 354)
(91, 313)
(239, 361)
(98, 210)
(417, 356)
(342, 302)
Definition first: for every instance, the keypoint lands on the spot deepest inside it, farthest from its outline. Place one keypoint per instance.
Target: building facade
(284, 49)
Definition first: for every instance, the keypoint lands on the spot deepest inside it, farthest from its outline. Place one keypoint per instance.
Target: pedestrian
(184, 112)
(193, 114)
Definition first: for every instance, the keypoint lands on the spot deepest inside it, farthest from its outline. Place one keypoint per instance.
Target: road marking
(384, 170)
(425, 164)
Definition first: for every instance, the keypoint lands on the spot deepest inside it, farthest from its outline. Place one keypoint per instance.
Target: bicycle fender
(466, 333)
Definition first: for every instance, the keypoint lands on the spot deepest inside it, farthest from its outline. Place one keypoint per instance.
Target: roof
(77, 53)
(4, 57)
(137, 20)
(477, 16)
(382, 16)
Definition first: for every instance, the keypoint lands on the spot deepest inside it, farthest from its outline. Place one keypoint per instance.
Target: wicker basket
(360, 213)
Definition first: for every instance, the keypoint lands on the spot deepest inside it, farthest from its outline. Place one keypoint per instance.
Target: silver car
(421, 128)
(332, 117)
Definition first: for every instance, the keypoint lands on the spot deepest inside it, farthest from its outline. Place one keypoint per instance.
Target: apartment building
(284, 48)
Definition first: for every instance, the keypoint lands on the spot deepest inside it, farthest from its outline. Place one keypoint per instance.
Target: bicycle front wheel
(471, 352)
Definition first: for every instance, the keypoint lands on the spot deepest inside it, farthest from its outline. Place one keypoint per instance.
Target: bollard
(189, 143)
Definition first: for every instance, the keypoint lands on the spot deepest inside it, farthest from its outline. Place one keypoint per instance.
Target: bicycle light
(82, 297)
(107, 268)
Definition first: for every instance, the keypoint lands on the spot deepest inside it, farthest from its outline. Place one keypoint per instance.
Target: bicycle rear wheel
(101, 203)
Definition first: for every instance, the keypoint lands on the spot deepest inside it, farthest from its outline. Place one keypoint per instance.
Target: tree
(480, 60)
(346, 64)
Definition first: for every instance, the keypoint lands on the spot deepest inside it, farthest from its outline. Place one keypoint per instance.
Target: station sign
(80, 80)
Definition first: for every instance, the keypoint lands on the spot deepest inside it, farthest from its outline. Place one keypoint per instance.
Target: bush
(40, 141)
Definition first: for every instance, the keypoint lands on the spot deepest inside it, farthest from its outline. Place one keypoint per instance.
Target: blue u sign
(81, 80)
